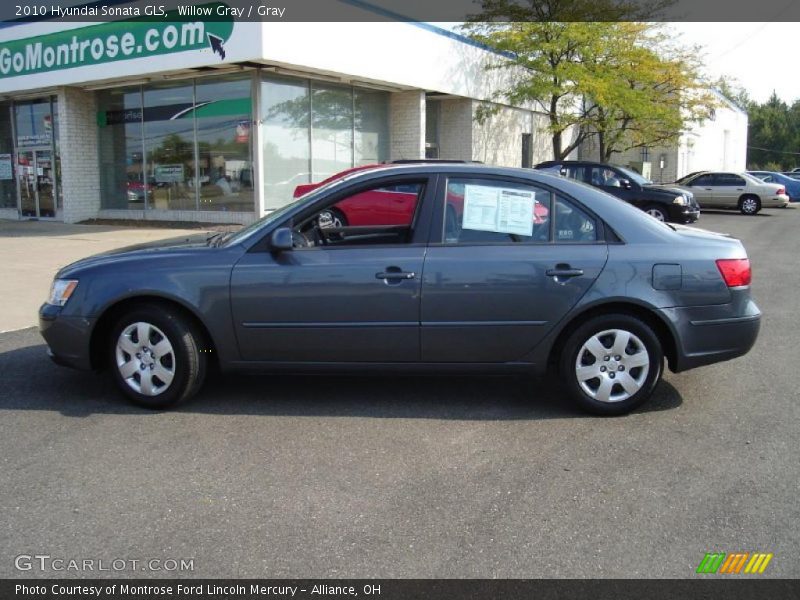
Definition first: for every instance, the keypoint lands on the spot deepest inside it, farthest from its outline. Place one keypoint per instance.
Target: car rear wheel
(611, 364)
(657, 212)
(156, 356)
(749, 205)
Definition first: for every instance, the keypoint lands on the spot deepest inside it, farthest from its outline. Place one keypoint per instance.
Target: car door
(728, 188)
(353, 299)
(703, 189)
(503, 269)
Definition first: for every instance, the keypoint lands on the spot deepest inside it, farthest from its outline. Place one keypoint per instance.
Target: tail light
(735, 271)
(781, 191)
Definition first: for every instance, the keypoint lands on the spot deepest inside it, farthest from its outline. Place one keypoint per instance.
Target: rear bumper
(68, 338)
(711, 334)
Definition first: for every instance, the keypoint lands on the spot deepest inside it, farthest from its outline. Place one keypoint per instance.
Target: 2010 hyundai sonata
(529, 273)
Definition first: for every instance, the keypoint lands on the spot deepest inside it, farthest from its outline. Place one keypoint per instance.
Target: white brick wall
(80, 178)
(455, 129)
(407, 125)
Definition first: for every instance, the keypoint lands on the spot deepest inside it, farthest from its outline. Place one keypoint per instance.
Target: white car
(749, 194)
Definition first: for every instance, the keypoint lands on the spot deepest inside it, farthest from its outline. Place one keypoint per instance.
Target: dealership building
(219, 121)
(185, 119)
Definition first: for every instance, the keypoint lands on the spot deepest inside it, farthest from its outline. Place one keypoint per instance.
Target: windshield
(247, 231)
(634, 176)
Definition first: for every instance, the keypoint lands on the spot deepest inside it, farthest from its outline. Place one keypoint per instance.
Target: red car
(392, 205)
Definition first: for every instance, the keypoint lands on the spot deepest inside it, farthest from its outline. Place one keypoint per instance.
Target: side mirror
(625, 184)
(281, 240)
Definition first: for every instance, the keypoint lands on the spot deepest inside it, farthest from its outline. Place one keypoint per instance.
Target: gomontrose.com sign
(113, 41)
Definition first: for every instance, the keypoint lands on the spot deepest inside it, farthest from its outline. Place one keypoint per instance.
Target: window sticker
(502, 210)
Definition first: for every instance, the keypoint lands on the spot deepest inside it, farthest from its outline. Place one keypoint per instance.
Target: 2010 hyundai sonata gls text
(497, 271)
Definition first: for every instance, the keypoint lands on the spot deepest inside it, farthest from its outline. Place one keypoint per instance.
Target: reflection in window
(225, 168)
(312, 130)
(331, 129)
(169, 146)
(8, 189)
(120, 139)
(285, 130)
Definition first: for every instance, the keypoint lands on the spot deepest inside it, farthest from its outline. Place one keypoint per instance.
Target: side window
(483, 210)
(573, 224)
(729, 180)
(703, 180)
(579, 173)
(383, 214)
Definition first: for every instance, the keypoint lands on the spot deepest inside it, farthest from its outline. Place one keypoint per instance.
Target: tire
(657, 212)
(749, 205)
(620, 385)
(172, 357)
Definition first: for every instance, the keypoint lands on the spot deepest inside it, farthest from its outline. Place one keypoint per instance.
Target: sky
(761, 56)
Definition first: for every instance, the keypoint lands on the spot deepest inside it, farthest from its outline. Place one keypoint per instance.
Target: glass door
(37, 183)
(45, 183)
(26, 178)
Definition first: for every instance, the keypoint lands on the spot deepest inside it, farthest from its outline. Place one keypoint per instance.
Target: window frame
(420, 224)
(437, 233)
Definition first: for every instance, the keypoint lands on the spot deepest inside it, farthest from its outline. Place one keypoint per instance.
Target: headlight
(680, 201)
(61, 291)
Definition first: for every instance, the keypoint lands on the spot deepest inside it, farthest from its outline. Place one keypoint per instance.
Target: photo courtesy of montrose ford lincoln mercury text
(496, 270)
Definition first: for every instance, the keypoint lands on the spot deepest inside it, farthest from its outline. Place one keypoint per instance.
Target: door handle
(394, 273)
(564, 271)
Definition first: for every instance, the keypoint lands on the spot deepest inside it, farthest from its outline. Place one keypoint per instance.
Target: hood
(671, 188)
(198, 240)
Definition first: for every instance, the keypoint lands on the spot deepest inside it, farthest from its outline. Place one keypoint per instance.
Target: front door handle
(395, 274)
(563, 272)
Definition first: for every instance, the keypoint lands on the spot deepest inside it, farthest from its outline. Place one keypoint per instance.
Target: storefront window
(169, 146)
(331, 129)
(224, 128)
(120, 137)
(285, 112)
(371, 127)
(36, 164)
(306, 139)
(178, 146)
(8, 187)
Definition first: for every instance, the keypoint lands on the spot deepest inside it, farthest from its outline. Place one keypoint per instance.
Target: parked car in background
(796, 170)
(734, 190)
(792, 184)
(665, 203)
(596, 290)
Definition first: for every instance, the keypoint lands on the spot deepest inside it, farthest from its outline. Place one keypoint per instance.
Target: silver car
(734, 190)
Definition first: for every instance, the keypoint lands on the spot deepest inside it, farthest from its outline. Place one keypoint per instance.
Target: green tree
(593, 70)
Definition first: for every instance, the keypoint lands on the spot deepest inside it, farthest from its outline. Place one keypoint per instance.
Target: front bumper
(689, 214)
(68, 338)
(711, 334)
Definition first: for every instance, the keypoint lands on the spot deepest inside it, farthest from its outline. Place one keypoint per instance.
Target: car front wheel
(611, 364)
(157, 356)
(657, 213)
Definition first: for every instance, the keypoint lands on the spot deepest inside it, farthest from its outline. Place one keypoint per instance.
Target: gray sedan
(430, 267)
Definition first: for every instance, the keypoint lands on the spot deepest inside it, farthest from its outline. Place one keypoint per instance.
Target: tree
(591, 70)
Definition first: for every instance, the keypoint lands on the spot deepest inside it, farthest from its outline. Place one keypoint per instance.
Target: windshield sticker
(502, 210)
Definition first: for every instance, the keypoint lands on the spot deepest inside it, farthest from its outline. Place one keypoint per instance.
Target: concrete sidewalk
(32, 251)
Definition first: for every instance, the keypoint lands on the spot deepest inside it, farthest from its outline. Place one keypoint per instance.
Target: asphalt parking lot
(264, 476)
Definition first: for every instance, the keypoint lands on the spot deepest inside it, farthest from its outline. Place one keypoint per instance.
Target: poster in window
(501, 210)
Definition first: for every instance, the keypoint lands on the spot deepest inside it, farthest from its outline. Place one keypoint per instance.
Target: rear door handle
(564, 272)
